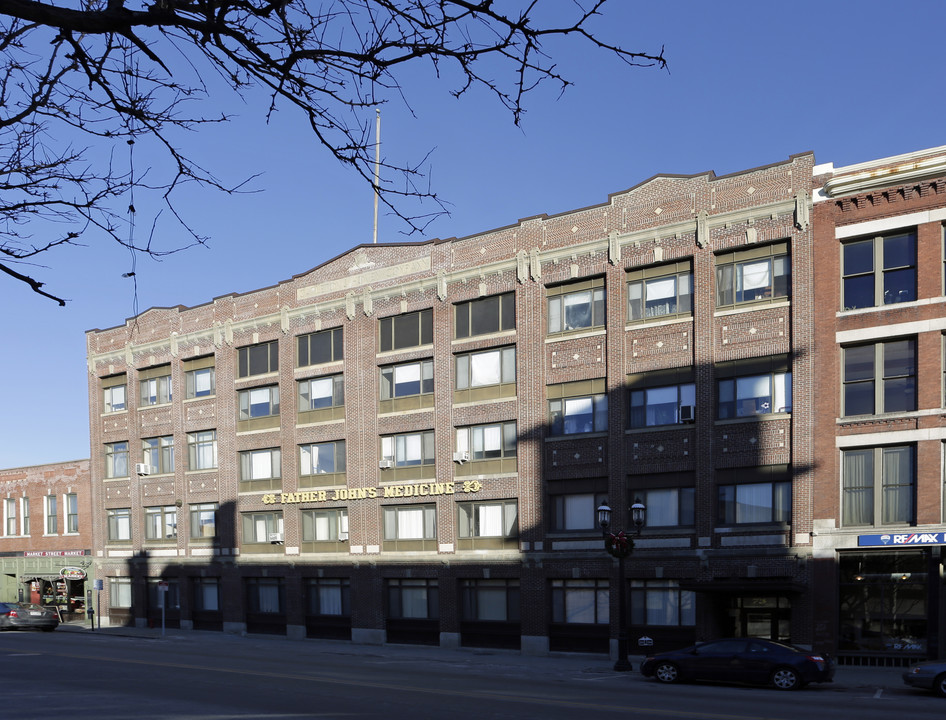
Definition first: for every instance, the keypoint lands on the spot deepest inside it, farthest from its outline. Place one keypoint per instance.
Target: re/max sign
(388, 491)
(917, 538)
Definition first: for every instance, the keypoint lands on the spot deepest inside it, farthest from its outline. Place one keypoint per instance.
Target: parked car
(741, 660)
(26, 616)
(930, 675)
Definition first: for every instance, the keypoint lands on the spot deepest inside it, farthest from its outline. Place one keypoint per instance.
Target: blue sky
(749, 84)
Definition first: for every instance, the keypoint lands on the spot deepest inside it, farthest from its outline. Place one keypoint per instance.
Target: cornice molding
(865, 177)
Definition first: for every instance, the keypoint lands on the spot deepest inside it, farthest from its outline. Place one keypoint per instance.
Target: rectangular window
(202, 450)
(879, 486)
(155, 386)
(755, 395)
(406, 331)
(878, 271)
(485, 315)
(669, 507)
(576, 306)
(328, 596)
(169, 597)
(769, 502)
(321, 392)
(662, 603)
(158, 454)
(116, 460)
(9, 517)
(581, 601)
(320, 347)
(575, 511)
(490, 367)
(161, 523)
(25, 507)
(52, 515)
(203, 520)
(408, 450)
(410, 522)
(415, 378)
(261, 469)
(266, 596)
(119, 593)
(660, 292)
(494, 600)
(258, 359)
(206, 594)
(754, 275)
(488, 442)
(119, 524)
(200, 377)
(488, 519)
(575, 415)
(72, 513)
(413, 598)
(262, 528)
(322, 458)
(325, 525)
(258, 402)
(668, 405)
(114, 390)
(880, 378)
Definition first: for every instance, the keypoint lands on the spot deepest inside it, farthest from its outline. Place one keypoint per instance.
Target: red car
(27, 616)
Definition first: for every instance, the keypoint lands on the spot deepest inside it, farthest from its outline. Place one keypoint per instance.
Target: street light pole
(620, 546)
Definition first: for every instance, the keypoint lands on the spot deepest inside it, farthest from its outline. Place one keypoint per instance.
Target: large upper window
(405, 331)
(322, 458)
(261, 469)
(878, 271)
(258, 359)
(158, 454)
(116, 460)
(9, 517)
(669, 507)
(119, 524)
(660, 292)
(155, 386)
(258, 402)
(662, 405)
(161, 523)
(754, 387)
(262, 528)
(489, 367)
(879, 486)
(202, 450)
(581, 601)
(200, 377)
(409, 449)
(756, 274)
(113, 389)
(576, 511)
(203, 519)
(410, 527)
(576, 306)
(880, 378)
(321, 393)
(488, 519)
(414, 378)
(52, 515)
(325, 525)
(755, 502)
(319, 347)
(485, 315)
(579, 407)
(487, 442)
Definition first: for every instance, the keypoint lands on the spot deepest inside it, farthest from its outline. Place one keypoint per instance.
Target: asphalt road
(211, 676)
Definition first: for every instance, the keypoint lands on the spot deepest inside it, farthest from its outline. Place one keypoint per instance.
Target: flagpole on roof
(377, 168)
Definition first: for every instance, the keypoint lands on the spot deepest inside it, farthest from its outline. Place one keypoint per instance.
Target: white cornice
(897, 170)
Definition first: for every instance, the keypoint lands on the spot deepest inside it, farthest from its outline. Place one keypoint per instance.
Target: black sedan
(27, 616)
(930, 675)
(741, 660)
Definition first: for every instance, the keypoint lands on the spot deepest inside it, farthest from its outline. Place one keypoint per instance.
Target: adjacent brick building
(409, 442)
(880, 425)
(46, 534)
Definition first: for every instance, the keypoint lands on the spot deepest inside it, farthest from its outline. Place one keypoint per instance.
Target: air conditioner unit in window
(386, 464)
(142, 469)
(461, 457)
(687, 413)
(275, 538)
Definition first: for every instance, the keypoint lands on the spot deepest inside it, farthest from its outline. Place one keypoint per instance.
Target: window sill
(401, 351)
(658, 321)
(156, 405)
(890, 306)
(575, 334)
(750, 306)
(883, 417)
(753, 528)
(119, 477)
(198, 471)
(112, 413)
(500, 334)
(202, 397)
(754, 418)
(660, 428)
(317, 368)
(241, 381)
(575, 436)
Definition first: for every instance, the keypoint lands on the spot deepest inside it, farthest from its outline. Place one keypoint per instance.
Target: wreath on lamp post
(618, 545)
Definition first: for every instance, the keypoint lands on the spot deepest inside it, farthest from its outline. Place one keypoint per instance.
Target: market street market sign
(900, 539)
(387, 491)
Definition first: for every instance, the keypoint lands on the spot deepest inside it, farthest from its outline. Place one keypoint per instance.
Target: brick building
(880, 425)
(409, 442)
(46, 535)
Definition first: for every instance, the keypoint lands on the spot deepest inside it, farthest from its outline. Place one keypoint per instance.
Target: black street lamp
(619, 545)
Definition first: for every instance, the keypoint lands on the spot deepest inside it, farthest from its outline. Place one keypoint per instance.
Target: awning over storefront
(746, 586)
(41, 576)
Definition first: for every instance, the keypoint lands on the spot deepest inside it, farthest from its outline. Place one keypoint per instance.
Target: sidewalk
(870, 679)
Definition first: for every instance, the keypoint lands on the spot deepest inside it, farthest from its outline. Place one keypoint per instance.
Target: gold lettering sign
(429, 489)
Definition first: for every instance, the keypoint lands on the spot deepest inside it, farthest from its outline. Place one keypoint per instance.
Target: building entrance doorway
(761, 616)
